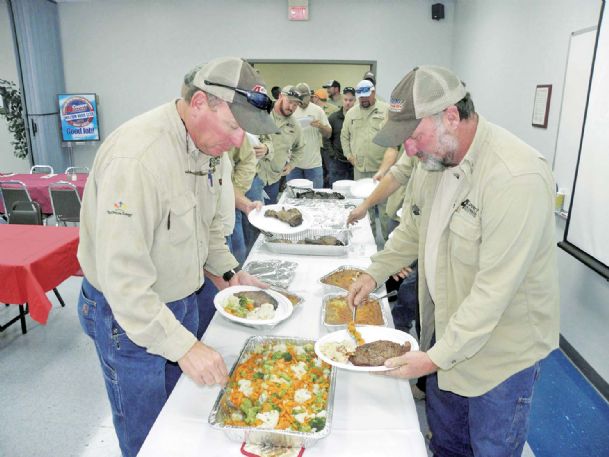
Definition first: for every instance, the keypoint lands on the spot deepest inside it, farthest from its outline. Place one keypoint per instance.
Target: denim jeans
(494, 424)
(313, 174)
(250, 233)
(339, 171)
(403, 312)
(138, 383)
(237, 240)
(205, 303)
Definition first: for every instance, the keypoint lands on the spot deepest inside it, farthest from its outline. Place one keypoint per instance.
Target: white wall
(134, 54)
(8, 71)
(503, 49)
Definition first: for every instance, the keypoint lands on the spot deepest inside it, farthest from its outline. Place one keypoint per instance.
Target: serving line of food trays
(322, 242)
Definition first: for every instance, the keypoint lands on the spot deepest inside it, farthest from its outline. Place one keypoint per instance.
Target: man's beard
(448, 144)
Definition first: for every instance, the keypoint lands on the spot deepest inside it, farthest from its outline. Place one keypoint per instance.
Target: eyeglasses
(293, 93)
(256, 99)
(349, 90)
(363, 90)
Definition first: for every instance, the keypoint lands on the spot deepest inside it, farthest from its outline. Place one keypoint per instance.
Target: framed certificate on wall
(541, 105)
(78, 117)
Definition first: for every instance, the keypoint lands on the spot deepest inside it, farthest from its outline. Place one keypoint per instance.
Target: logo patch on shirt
(396, 104)
(119, 209)
(259, 88)
(415, 210)
(469, 208)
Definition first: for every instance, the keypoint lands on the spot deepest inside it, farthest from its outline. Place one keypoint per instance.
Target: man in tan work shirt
(288, 147)
(151, 227)
(362, 123)
(479, 217)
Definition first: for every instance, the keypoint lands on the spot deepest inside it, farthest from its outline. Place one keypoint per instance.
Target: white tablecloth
(373, 415)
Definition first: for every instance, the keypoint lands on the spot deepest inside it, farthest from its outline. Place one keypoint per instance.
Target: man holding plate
(478, 215)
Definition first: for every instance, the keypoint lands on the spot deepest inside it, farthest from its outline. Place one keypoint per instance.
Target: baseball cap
(364, 88)
(304, 89)
(370, 77)
(425, 91)
(322, 94)
(331, 83)
(237, 74)
(349, 90)
(292, 94)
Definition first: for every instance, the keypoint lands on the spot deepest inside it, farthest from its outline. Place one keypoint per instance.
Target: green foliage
(11, 98)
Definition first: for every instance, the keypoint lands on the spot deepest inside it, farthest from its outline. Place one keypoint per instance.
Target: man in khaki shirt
(151, 225)
(362, 123)
(478, 215)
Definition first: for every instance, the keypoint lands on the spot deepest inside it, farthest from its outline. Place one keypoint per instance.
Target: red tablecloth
(33, 260)
(38, 187)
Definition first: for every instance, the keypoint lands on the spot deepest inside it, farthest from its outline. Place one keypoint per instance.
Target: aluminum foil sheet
(278, 438)
(278, 273)
(326, 213)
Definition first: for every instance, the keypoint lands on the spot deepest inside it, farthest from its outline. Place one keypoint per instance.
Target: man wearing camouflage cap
(478, 215)
(151, 227)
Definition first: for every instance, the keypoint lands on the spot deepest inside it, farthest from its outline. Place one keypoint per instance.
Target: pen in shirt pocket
(168, 220)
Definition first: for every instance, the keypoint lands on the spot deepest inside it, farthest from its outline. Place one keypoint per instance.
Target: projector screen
(587, 232)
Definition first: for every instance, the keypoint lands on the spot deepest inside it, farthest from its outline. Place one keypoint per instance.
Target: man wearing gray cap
(151, 227)
(478, 215)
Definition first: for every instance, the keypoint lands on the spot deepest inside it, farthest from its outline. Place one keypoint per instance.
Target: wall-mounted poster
(78, 115)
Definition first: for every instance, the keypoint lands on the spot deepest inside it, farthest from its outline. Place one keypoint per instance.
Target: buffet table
(373, 415)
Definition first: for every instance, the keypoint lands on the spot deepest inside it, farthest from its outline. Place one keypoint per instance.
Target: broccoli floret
(317, 423)
(258, 375)
(287, 356)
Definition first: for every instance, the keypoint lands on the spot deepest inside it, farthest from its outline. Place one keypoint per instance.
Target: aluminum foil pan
(303, 193)
(330, 288)
(278, 273)
(335, 327)
(279, 438)
(294, 298)
(293, 247)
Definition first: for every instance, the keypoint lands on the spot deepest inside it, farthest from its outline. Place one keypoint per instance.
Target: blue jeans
(494, 424)
(313, 174)
(205, 303)
(403, 312)
(339, 171)
(138, 383)
(237, 240)
(250, 233)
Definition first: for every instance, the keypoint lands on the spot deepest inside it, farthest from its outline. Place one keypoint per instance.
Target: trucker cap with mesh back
(425, 91)
(236, 72)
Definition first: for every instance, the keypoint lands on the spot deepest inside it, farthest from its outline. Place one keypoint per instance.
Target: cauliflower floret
(316, 389)
(302, 417)
(269, 419)
(264, 312)
(245, 387)
(299, 369)
(280, 347)
(302, 395)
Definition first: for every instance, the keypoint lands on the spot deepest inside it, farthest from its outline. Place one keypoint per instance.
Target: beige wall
(314, 74)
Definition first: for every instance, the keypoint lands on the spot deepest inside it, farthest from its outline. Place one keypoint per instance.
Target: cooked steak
(315, 195)
(374, 354)
(258, 297)
(325, 240)
(291, 216)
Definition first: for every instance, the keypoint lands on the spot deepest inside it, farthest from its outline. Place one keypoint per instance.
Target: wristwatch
(230, 273)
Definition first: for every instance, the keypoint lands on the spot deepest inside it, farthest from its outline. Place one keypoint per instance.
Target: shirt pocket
(181, 218)
(464, 239)
(376, 122)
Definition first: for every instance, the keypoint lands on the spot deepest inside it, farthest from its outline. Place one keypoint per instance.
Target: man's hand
(413, 364)
(360, 289)
(261, 151)
(287, 169)
(253, 205)
(243, 278)
(316, 124)
(356, 214)
(403, 273)
(204, 365)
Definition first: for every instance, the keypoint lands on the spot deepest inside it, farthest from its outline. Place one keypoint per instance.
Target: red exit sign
(298, 13)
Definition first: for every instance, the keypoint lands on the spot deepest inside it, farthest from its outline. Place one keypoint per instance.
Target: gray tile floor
(52, 397)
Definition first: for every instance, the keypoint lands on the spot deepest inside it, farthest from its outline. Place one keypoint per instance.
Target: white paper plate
(343, 186)
(283, 311)
(301, 183)
(363, 187)
(272, 225)
(369, 334)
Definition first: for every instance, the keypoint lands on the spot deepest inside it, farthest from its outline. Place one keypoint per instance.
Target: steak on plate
(374, 354)
(291, 216)
(258, 297)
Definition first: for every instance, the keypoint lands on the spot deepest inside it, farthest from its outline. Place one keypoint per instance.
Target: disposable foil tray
(331, 288)
(292, 246)
(336, 327)
(279, 438)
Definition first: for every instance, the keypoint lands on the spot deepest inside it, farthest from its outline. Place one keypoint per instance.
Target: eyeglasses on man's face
(256, 99)
(349, 90)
